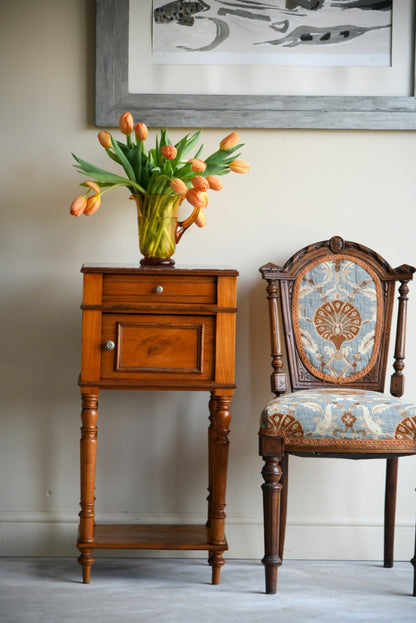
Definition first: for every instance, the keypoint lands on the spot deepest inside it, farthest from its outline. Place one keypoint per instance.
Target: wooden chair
(336, 308)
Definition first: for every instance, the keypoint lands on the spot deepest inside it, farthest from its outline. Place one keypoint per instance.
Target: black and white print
(274, 32)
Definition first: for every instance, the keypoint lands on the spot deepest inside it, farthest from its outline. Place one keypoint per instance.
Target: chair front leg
(271, 449)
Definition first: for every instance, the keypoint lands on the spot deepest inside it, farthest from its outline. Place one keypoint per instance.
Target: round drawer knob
(109, 345)
(159, 289)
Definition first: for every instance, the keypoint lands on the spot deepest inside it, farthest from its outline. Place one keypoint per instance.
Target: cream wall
(303, 186)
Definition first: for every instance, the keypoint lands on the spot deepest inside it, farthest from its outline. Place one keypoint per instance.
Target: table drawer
(154, 289)
(166, 346)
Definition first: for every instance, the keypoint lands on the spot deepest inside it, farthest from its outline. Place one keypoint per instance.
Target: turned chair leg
(284, 481)
(271, 449)
(413, 562)
(390, 510)
(271, 512)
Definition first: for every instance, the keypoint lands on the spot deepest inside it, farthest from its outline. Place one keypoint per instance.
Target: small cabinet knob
(109, 345)
(159, 289)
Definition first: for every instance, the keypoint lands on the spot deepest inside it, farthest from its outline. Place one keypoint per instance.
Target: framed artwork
(137, 71)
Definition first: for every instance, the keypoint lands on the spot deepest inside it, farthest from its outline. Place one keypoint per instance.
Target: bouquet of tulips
(166, 169)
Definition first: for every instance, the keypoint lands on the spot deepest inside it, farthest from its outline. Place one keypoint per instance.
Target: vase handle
(182, 226)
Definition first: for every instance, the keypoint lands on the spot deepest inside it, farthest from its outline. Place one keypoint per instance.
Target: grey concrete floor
(49, 590)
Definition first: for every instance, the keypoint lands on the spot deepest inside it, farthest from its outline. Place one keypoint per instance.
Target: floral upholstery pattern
(338, 318)
(342, 415)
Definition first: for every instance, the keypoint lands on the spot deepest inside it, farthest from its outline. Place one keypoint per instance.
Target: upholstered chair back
(337, 318)
(337, 301)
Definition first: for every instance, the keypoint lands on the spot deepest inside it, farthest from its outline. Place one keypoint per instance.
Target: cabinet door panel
(150, 346)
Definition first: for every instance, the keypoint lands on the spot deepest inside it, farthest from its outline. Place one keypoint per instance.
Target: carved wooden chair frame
(280, 283)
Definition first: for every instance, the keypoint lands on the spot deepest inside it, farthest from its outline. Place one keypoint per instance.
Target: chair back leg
(284, 481)
(413, 561)
(390, 510)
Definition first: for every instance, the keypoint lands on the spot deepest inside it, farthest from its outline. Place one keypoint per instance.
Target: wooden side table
(158, 329)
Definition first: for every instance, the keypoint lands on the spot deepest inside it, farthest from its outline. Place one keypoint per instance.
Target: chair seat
(341, 419)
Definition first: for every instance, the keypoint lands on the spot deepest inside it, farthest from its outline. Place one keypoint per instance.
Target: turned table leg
(89, 416)
(219, 444)
(211, 433)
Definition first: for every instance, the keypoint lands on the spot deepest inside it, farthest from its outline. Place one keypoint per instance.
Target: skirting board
(54, 534)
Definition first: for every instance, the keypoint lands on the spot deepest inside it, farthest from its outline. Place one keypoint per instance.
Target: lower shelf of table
(152, 536)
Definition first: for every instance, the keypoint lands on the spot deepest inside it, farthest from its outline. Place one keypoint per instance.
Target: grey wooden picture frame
(225, 111)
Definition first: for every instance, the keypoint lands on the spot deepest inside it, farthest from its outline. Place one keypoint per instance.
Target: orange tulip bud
(239, 166)
(200, 183)
(196, 198)
(91, 184)
(201, 219)
(141, 131)
(169, 152)
(178, 186)
(126, 123)
(78, 205)
(229, 141)
(93, 203)
(105, 139)
(198, 165)
(214, 182)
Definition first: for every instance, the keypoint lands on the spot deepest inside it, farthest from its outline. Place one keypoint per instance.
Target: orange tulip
(105, 139)
(198, 165)
(201, 220)
(214, 182)
(93, 203)
(196, 198)
(239, 166)
(91, 184)
(78, 205)
(126, 123)
(141, 131)
(178, 186)
(229, 141)
(169, 152)
(200, 183)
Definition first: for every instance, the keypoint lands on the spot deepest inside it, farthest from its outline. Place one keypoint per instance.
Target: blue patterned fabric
(338, 320)
(339, 415)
